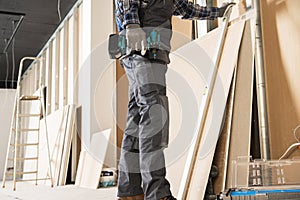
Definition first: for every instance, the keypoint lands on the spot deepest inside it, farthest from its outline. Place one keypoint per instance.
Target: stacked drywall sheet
(185, 67)
(220, 160)
(214, 118)
(60, 127)
(92, 160)
(6, 114)
(237, 141)
(240, 139)
(281, 46)
(187, 56)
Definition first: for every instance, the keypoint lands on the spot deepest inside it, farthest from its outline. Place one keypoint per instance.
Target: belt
(157, 55)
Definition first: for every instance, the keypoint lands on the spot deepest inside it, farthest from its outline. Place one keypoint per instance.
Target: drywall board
(27, 191)
(96, 77)
(242, 105)
(57, 150)
(90, 162)
(67, 145)
(215, 113)
(281, 43)
(242, 109)
(184, 79)
(6, 114)
(238, 9)
(190, 66)
(221, 155)
(56, 125)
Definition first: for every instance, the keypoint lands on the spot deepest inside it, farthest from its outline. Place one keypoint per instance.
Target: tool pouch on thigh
(158, 55)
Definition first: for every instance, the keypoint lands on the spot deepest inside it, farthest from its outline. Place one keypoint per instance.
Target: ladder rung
(29, 115)
(26, 129)
(11, 173)
(23, 145)
(39, 179)
(29, 98)
(33, 158)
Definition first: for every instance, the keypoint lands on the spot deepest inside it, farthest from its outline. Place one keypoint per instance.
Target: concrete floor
(28, 191)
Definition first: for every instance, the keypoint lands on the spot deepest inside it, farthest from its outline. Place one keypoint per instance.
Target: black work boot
(137, 197)
(169, 198)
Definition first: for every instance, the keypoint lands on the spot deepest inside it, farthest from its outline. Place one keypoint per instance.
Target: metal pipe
(261, 89)
(13, 34)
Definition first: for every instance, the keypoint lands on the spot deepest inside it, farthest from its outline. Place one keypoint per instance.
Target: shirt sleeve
(131, 9)
(188, 10)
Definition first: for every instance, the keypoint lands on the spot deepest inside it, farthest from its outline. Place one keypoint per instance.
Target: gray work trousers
(142, 163)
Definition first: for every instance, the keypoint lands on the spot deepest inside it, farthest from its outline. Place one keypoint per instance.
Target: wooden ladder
(15, 156)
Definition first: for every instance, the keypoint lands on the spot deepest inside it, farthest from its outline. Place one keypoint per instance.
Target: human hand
(224, 7)
(136, 38)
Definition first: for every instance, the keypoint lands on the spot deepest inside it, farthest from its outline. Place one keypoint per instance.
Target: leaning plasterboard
(92, 159)
(56, 125)
(69, 134)
(216, 109)
(190, 57)
(186, 85)
(6, 113)
(242, 111)
(59, 136)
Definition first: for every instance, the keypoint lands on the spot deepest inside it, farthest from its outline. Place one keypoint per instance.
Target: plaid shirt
(127, 11)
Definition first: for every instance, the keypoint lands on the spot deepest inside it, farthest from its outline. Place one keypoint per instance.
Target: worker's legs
(148, 79)
(129, 183)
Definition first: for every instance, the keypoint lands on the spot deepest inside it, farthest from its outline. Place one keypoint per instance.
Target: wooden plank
(49, 78)
(281, 43)
(61, 68)
(66, 62)
(43, 68)
(70, 61)
(73, 98)
(36, 68)
(31, 75)
(55, 73)
(90, 163)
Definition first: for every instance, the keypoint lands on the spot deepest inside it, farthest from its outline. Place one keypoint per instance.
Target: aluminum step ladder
(17, 144)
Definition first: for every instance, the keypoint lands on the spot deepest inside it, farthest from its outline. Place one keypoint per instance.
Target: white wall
(97, 74)
(74, 68)
(6, 112)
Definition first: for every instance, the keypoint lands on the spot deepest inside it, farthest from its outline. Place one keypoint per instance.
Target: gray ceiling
(40, 21)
